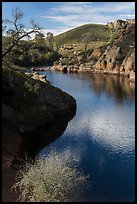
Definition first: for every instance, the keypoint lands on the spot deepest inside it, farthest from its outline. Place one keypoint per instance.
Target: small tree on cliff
(86, 37)
(50, 40)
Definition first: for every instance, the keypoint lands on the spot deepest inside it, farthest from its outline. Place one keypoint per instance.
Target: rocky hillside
(115, 57)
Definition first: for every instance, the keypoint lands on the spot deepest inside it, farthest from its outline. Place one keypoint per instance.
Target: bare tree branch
(15, 42)
(17, 31)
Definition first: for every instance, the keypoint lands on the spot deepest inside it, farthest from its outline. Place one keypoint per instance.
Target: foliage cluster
(32, 53)
(19, 49)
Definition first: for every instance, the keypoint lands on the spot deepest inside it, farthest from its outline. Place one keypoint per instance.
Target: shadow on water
(42, 136)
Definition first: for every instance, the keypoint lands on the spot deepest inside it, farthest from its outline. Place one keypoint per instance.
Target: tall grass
(50, 179)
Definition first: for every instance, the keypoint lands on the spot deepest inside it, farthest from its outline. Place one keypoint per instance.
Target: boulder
(40, 77)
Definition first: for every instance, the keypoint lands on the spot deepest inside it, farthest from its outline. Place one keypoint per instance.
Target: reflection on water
(117, 87)
(108, 127)
(42, 136)
(101, 136)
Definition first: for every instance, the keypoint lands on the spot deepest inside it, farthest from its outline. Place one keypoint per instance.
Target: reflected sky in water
(101, 136)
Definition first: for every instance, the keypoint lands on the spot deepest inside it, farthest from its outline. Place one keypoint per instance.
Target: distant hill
(98, 33)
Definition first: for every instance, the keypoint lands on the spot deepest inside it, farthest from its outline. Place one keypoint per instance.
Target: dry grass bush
(50, 179)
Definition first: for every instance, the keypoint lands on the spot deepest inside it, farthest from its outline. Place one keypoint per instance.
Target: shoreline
(131, 79)
(54, 68)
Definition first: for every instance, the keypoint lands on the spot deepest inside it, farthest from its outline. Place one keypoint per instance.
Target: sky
(59, 17)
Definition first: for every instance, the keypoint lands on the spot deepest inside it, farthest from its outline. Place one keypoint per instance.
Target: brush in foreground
(50, 179)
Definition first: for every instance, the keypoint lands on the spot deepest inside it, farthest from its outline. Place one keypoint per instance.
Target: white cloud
(86, 8)
(73, 14)
(56, 31)
(76, 3)
(128, 15)
(117, 7)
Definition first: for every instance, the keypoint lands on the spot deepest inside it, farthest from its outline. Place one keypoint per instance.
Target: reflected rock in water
(116, 86)
(35, 140)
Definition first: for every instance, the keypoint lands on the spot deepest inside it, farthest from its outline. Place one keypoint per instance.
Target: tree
(86, 37)
(40, 42)
(15, 32)
(39, 38)
(50, 40)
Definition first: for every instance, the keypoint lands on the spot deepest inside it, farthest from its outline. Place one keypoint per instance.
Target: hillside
(101, 33)
(103, 49)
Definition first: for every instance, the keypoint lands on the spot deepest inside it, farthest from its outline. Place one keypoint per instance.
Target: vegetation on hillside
(97, 33)
(34, 53)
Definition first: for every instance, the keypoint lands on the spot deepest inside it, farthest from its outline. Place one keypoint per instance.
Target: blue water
(101, 136)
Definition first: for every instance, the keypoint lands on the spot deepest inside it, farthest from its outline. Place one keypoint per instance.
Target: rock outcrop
(128, 65)
(108, 59)
(35, 102)
(37, 76)
(119, 24)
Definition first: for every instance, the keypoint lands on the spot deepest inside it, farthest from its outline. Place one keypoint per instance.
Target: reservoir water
(101, 136)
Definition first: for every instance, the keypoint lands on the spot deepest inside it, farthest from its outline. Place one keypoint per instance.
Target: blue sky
(58, 17)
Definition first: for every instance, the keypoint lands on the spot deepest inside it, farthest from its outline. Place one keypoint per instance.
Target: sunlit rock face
(97, 53)
(109, 59)
(128, 65)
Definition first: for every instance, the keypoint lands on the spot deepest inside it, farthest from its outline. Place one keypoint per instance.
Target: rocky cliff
(116, 57)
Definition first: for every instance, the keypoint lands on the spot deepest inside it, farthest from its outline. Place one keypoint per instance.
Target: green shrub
(50, 179)
(32, 87)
